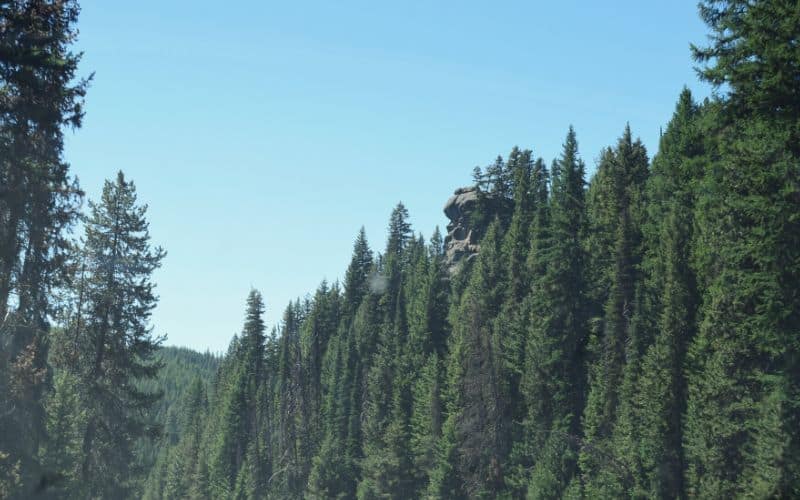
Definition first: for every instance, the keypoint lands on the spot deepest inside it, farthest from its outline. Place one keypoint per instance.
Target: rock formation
(461, 242)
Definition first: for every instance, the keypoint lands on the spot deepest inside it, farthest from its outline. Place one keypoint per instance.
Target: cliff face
(461, 242)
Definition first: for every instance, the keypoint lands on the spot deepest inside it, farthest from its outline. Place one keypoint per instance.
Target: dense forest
(632, 334)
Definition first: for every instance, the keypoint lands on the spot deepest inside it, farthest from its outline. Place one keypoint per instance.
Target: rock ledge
(461, 243)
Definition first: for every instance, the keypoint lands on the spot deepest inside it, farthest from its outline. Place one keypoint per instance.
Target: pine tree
(66, 420)
(356, 284)
(184, 458)
(387, 466)
(516, 241)
(662, 384)
(438, 295)
(753, 54)
(334, 472)
(741, 434)
(475, 432)
(539, 220)
(743, 357)
(426, 420)
(316, 333)
(553, 380)
(509, 327)
(288, 480)
(238, 421)
(670, 300)
(498, 178)
(226, 451)
(112, 345)
(622, 175)
(38, 202)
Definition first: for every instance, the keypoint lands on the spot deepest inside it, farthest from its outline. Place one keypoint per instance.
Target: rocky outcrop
(461, 242)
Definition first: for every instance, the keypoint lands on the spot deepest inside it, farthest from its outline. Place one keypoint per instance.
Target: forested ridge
(635, 334)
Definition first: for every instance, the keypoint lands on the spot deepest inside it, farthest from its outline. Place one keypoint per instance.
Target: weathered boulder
(461, 242)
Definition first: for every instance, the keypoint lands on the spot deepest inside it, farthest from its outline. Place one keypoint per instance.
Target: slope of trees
(632, 335)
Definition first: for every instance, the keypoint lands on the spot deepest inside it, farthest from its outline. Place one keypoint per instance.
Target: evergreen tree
(182, 469)
(742, 387)
(38, 204)
(356, 281)
(289, 475)
(66, 420)
(317, 330)
(753, 56)
(497, 176)
(227, 450)
(636, 339)
(112, 345)
(509, 326)
(741, 425)
(553, 380)
(438, 295)
(622, 173)
(333, 470)
(426, 420)
(670, 300)
(539, 220)
(516, 241)
(236, 425)
(475, 433)
(387, 466)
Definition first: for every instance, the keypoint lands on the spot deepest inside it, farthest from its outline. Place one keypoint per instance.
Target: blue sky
(264, 134)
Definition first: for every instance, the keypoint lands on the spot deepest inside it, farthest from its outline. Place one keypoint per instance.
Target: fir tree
(334, 472)
(743, 379)
(237, 424)
(553, 381)
(475, 432)
(670, 300)
(387, 463)
(742, 410)
(112, 344)
(753, 54)
(356, 281)
(623, 173)
(39, 204)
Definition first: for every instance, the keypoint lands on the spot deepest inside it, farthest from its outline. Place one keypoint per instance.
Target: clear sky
(264, 134)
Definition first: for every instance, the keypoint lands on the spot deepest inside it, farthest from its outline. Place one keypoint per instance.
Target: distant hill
(181, 366)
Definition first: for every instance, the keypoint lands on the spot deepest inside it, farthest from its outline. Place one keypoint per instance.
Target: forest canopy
(635, 334)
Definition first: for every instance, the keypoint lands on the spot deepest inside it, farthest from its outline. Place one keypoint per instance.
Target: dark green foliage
(661, 385)
(387, 465)
(509, 327)
(496, 191)
(106, 351)
(669, 300)
(553, 379)
(618, 202)
(742, 396)
(334, 472)
(181, 367)
(234, 430)
(741, 434)
(38, 204)
(477, 432)
(754, 52)
(517, 239)
(175, 461)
